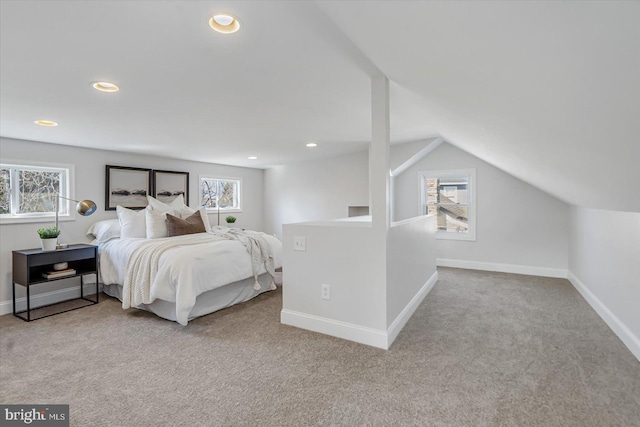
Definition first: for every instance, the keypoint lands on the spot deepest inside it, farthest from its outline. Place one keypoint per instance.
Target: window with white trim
(222, 193)
(449, 195)
(28, 193)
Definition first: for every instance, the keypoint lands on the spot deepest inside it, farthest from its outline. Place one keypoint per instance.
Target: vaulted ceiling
(547, 91)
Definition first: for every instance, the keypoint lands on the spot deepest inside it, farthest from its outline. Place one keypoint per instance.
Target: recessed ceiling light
(105, 86)
(312, 144)
(48, 123)
(224, 23)
(252, 158)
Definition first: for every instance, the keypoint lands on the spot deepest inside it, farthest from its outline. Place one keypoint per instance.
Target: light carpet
(483, 349)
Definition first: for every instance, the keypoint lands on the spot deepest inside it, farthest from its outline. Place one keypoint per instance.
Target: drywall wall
(517, 225)
(604, 265)
(89, 168)
(376, 278)
(411, 262)
(315, 190)
(350, 258)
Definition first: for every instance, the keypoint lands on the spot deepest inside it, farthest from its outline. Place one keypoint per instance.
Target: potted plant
(49, 238)
(230, 219)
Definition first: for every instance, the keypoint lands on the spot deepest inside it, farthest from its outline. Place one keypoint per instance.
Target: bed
(183, 277)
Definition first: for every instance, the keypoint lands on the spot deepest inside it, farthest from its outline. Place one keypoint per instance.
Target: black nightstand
(29, 265)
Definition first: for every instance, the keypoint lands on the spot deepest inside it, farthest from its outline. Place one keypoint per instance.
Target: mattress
(186, 268)
(206, 303)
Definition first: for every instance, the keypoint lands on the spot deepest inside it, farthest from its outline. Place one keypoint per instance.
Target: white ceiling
(285, 79)
(547, 91)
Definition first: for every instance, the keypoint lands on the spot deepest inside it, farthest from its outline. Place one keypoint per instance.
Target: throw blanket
(142, 266)
(258, 248)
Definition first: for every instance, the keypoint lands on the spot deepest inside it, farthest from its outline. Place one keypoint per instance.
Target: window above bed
(222, 193)
(28, 193)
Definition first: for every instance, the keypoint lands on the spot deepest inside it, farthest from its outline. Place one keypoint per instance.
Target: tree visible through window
(448, 195)
(5, 195)
(37, 191)
(224, 193)
(29, 191)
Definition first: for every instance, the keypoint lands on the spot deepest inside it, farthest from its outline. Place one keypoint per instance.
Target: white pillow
(157, 223)
(176, 204)
(105, 230)
(182, 210)
(186, 212)
(156, 218)
(132, 223)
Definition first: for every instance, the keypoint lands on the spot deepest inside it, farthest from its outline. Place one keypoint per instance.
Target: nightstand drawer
(60, 255)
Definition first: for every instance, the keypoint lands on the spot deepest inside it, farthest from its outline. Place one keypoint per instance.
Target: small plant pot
(49, 244)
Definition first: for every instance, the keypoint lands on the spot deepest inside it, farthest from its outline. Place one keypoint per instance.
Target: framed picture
(168, 185)
(127, 187)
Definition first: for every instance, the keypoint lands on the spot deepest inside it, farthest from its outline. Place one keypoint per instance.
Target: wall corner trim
(404, 316)
(617, 326)
(503, 268)
(335, 328)
(352, 332)
(418, 156)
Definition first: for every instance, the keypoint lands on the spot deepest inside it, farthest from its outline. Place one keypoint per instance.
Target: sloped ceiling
(547, 91)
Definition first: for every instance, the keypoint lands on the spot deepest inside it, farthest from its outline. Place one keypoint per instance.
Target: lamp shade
(86, 207)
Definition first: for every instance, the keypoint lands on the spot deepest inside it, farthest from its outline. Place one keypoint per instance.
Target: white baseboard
(45, 298)
(503, 268)
(617, 326)
(335, 328)
(352, 332)
(407, 312)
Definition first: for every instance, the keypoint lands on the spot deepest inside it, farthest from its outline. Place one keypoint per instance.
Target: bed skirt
(206, 303)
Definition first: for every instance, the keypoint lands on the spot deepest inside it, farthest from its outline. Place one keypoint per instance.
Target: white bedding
(187, 271)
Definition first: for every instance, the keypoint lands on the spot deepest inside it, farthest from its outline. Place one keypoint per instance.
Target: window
(221, 192)
(28, 193)
(450, 196)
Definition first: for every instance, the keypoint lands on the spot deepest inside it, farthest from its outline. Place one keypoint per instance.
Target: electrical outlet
(299, 243)
(326, 291)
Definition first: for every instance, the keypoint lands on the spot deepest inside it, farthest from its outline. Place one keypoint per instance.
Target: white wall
(315, 190)
(517, 224)
(377, 277)
(90, 184)
(350, 258)
(604, 265)
(354, 257)
(410, 262)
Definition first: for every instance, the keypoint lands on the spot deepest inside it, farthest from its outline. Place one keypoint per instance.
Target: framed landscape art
(167, 185)
(127, 187)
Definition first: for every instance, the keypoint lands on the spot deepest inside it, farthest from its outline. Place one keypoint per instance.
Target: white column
(379, 195)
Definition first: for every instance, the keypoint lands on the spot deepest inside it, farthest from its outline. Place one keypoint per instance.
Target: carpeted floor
(483, 349)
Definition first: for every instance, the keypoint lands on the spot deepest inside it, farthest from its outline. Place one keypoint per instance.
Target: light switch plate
(299, 243)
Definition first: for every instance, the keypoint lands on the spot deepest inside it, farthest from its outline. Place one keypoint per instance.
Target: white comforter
(184, 272)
